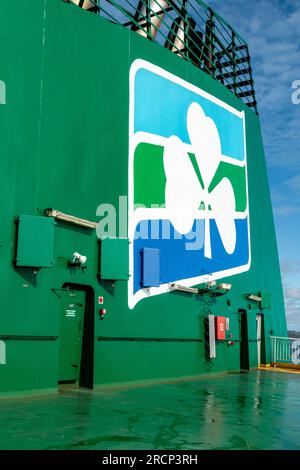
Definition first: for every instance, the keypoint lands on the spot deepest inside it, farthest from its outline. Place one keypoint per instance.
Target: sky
(272, 30)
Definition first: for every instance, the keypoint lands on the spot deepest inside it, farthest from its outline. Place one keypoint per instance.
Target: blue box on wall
(150, 276)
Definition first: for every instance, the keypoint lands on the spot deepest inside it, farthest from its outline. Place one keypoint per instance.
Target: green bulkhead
(100, 125)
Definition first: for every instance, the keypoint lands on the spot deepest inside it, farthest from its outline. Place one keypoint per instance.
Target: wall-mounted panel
(35, 241)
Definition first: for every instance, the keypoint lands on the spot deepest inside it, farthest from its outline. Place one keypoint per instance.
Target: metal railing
(193, 31)
(285, 349)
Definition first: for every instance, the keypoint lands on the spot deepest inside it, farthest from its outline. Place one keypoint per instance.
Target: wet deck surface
(256, 410)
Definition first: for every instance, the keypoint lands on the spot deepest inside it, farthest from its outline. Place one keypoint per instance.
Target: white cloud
(285, 199)
(292, 294)
(286, 209)
(290, 266)
(292, 306)
(294, 183)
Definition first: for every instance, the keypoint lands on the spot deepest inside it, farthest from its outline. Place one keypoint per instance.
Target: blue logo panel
(188, 149)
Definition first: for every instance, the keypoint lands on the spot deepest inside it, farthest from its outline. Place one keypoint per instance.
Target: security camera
(78, 258)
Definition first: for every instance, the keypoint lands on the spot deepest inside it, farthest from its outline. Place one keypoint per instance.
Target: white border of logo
(133, 299)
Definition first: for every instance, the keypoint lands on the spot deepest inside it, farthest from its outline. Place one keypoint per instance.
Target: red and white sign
(220, 327)
(100, 300)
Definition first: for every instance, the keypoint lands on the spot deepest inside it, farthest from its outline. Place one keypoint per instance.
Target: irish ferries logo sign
(188, 198)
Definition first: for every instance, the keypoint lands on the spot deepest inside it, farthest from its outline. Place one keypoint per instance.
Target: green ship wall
(64, 144)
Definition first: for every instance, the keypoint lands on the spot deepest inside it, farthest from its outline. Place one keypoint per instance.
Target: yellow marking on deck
(281, 367)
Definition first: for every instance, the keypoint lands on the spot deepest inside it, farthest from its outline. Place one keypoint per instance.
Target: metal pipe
(209, 45)
(70, 218)
(84, 4)
(154, 14)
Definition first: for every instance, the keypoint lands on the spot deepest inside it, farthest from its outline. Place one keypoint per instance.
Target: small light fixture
(78, 258)
(211, 284)
(224, 286)
(215, 289)
(255, 298)
(177, 287)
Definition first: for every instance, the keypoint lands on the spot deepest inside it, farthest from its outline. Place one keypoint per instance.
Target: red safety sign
(220, 327)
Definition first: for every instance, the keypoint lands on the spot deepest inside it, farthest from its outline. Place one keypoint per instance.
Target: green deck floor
(256, 410)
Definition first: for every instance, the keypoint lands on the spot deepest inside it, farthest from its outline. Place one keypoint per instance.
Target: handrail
(221, 19)
(192, 30)
(285, 349)
(285, 337)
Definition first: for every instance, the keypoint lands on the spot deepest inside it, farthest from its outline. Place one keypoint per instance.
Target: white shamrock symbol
(184, 193)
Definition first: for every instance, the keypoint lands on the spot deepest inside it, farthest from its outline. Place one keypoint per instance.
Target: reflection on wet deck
(256, 410)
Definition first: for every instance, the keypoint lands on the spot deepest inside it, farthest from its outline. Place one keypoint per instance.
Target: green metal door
(71, 332)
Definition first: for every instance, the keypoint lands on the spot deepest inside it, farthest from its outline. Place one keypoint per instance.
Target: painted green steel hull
(64, 144)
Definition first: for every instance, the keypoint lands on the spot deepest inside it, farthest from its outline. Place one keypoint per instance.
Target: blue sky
(272, 29)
